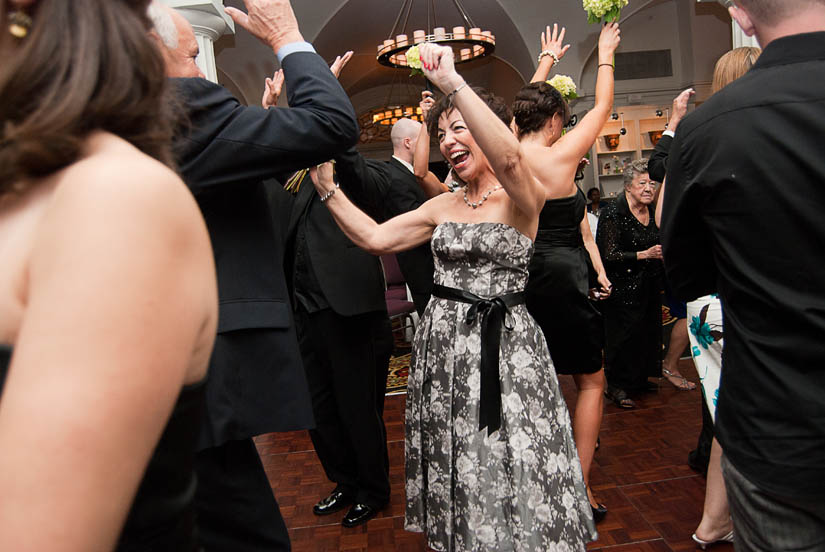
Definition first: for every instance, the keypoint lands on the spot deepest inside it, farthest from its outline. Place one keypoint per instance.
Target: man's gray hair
(164, 24)
(639, 166)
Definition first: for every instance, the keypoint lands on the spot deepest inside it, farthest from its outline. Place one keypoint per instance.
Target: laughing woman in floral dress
(490, 458)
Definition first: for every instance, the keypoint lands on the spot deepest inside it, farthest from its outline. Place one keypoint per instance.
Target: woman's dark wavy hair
(445, 105)
(535, 104)
(85, 65)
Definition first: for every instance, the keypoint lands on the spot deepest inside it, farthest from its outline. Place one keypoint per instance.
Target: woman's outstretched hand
(438, 65)
(553, 41)
(608, 42)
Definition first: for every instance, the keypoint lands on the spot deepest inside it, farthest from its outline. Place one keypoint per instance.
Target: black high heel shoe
(599, 512)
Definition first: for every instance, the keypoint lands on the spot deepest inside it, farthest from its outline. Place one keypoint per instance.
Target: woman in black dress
(565, 252)
(108, 300)
(628, 240)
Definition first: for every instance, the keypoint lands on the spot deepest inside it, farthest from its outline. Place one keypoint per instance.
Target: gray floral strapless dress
(520, 487)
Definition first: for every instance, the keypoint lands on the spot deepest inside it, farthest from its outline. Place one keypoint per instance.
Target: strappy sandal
(684, 383)
(619, 398)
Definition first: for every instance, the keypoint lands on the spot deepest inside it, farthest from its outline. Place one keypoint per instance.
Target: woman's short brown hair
(733, 65)
(85, 65)
(445, 105)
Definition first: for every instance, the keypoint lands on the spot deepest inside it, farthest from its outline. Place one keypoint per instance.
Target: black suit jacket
(743, 217)
(387, 189)
(349, 277)
(256, 380)
(657, 164)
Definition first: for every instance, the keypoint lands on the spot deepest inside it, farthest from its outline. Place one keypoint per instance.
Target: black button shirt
(743, 216)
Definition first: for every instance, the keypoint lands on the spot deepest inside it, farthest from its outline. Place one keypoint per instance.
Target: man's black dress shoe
(358, 515)
(336, 501)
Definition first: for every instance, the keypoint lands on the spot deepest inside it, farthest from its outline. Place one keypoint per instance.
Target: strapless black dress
(557, 290)
(162, 517)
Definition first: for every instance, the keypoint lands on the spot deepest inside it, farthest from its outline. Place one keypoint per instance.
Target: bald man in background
(388, 189)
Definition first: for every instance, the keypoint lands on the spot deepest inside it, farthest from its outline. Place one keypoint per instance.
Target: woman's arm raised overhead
(552, 50)
(429, 182)
(571, 147)
(496, 140)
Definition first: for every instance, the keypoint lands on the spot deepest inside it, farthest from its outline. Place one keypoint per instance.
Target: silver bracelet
(329, 194)
(454, 92)
(550, 53)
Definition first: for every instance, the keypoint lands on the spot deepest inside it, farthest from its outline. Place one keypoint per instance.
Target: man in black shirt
(743, 217)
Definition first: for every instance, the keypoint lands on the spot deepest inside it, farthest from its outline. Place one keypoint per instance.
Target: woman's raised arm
(552, 50)
(496, 140)
(571, 147)
(429, 182)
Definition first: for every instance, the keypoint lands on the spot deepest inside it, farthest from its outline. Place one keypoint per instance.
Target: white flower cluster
(413, 57)
(597, 9)
(564, 85)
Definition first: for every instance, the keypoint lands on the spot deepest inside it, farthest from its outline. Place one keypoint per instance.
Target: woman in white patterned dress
(490, 458)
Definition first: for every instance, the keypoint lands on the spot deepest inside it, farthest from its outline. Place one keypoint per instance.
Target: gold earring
(19, 23)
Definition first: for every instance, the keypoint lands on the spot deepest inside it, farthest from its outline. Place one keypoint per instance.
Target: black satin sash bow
(493, 314)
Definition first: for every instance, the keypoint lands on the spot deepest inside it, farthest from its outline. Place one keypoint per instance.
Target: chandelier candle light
(401, 50)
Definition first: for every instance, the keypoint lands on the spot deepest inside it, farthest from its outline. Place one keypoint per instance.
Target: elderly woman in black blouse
(628, 241)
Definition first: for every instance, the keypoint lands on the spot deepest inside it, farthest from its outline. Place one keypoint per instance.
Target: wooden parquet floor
(640, 473)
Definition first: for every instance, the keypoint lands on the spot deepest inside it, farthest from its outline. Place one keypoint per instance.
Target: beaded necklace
(476, 205)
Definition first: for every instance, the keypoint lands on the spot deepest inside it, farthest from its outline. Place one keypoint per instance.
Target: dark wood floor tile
(282, 443)
(651, 444)
(379, 535)
(640, 473)
(657, 545)
(673, 508)
(623, 523)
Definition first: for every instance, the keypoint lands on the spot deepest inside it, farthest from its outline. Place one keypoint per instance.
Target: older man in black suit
(256, 381)
(742, 215)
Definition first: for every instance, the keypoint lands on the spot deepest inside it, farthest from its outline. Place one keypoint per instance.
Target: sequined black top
(620, 236)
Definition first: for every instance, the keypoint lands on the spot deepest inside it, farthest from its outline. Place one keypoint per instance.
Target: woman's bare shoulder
(113, 176)
(439, 206)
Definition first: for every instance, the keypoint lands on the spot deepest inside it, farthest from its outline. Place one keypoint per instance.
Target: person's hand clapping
(272, 89)
(680, 105)
(339, 63)
(271, 21)
(438, 65)
(608, 42)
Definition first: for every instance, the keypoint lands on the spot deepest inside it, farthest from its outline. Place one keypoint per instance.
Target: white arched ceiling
(696, 33)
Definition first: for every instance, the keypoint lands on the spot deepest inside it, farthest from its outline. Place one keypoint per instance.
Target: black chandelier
(468, 42)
